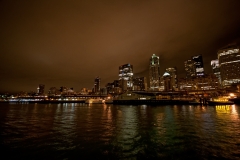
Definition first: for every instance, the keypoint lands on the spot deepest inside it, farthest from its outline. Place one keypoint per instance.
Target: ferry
(97, 101)
(220, 101)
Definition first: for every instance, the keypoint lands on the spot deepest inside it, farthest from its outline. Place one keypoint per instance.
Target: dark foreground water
(80, 131)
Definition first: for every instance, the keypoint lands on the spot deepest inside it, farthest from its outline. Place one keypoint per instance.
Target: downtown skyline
(69, 44)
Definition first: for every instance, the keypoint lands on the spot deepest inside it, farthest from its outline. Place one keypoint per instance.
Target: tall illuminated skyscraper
(229, 62)
(154, 72)
(126, 76)
(198, 62)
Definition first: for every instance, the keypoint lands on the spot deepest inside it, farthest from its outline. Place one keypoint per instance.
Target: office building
(173, 75)
(190, 69)
(167, 79)
(97, 81)
(229, 62)
(206, 82)
(216, 69)
(114, 87)
(140, 84)
(53, 91)
(40, 89)
(154, 72)
(126, 77)
(198, 63)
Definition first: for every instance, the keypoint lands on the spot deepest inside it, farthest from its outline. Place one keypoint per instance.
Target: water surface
(100, 131)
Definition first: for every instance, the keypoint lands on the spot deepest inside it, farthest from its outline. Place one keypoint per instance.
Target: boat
(91, 100)
(220, 101)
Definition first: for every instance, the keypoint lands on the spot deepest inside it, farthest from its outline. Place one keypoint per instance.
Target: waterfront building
(40, 89)
(129, 95)
(216, 69)
(66, 91)
(123, 85)
(53, 91)
(70, 91)
(154, 72)
(84, 91)
(109, 87)
(140, 84)
(173, 74)
(186, 84)
(206, 82)
(126, 77)
(114, 87)
(103, 91)
(63, 89)
(116, 83)
(190, 69)
(229, 62)
(198, 63)
(161, 84)
(97, 81)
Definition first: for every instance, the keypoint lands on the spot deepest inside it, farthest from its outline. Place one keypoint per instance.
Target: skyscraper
(173, 75)
(154, 72)
(216, 69)
(229, 62)
(40, 89)
(167, 82)
(97, 84)
(198, 62)
(190, 69)
(125, 76)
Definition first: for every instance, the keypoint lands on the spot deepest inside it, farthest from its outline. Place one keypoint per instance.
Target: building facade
(97, 82)
(167, 79)
(140, 84)
(154, 73)
(40, 89)
(206, 82)
(216, 69)
(126, 76)
(173, 74)
(190, 69)
(198, 63)
(229, 62)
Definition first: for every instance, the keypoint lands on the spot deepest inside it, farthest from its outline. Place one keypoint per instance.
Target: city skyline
(69, 44)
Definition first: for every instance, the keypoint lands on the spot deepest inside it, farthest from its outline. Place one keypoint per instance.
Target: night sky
(69, 43)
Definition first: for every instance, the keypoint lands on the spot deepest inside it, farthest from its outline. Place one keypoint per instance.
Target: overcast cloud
(69, 43)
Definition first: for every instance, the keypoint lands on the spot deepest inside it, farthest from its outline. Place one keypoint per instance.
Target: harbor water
(107, 131)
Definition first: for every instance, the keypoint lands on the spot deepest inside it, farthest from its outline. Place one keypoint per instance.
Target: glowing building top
(154, 72)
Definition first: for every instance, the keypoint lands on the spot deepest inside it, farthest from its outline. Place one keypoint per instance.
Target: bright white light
(231, 94)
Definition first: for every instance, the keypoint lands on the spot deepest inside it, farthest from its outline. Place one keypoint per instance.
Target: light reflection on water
(75, 130)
